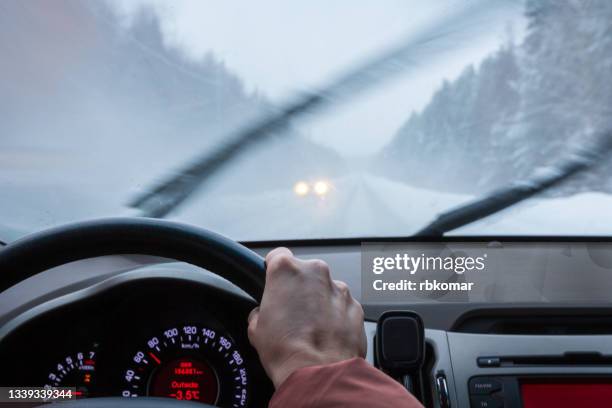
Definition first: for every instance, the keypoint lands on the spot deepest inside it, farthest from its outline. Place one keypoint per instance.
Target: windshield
(104, 100)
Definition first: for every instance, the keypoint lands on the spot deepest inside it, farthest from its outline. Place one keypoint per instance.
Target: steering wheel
(57, 246)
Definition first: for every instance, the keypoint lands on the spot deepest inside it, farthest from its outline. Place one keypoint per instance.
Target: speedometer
(188, 362)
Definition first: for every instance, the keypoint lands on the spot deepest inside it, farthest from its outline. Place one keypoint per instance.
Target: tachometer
(189, 362)
(76, 370)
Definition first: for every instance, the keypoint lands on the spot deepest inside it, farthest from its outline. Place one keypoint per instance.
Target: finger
(356, 317)
(254, 313)
(355, 314)
(342, 287)
(253, 319)
(281, 262)
(276, 252)
(320, 269)
(363, 350)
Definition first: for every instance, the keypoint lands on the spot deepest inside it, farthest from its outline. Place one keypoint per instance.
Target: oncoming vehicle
(449, 160)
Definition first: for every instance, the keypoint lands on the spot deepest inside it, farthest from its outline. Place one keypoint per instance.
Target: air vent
(535, 325)
(566, 359)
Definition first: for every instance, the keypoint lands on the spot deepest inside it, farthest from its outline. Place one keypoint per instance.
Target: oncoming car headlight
(320, 188)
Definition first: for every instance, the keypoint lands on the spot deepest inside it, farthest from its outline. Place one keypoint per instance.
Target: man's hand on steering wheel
(305, 318)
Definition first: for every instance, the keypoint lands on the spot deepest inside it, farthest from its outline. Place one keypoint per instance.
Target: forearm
(351, 383)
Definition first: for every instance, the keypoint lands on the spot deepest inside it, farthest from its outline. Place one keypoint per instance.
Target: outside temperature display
(189, 362)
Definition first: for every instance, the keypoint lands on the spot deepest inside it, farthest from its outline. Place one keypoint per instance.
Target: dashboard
(161, 336)
(130, 326)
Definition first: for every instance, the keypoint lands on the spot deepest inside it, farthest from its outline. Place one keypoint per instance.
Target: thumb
(252, 319)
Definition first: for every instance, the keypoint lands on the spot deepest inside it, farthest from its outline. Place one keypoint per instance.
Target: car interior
(449, 160)
(137, 306)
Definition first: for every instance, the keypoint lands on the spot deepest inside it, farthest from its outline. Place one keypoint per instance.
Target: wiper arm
(580, 160)
(163, 198)
(169, 194)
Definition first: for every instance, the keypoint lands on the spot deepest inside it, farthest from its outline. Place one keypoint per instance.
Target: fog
(280, 49)
(102, 100)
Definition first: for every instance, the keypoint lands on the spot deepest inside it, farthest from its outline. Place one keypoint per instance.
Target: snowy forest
(519, 110)
(126, 104)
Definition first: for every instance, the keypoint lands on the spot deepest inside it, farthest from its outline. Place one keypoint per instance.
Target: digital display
(188, 362)
(566, 393)
(186, 379)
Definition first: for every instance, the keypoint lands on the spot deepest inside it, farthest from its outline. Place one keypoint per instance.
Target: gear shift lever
(400, 346)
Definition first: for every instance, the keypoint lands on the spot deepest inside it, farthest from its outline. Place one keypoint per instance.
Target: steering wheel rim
(44, 250)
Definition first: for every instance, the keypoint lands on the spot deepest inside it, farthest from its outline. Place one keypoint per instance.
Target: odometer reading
(189, 363)
(185, 379)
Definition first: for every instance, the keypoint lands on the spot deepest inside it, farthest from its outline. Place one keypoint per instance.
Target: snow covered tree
(521, 109)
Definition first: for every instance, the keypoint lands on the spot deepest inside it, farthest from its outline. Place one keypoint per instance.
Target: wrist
(280, 372)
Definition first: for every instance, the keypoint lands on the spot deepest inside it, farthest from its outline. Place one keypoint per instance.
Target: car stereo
(540, 391)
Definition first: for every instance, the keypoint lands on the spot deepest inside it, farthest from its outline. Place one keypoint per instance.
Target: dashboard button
(486, 402)
(484, 385)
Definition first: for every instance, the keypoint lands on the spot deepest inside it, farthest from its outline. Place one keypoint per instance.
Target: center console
(559, 391)
(491, 370)
(516, 370)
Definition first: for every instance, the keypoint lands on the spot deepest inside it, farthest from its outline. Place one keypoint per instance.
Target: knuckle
(320, 266)
(285, 261)
(253, 315)
(343, 288)
(282, 262)
(278, 251)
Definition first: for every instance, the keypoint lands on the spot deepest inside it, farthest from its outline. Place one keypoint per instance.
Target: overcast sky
(281, 48)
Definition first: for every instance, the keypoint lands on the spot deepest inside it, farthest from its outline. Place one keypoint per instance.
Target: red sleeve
(350, 383)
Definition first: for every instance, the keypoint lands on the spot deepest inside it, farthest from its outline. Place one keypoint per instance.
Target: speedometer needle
(154, 357)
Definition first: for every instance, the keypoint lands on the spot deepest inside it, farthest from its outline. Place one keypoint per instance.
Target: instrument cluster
(155, 337)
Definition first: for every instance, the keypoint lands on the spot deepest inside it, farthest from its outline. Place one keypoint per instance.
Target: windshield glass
(104, 100)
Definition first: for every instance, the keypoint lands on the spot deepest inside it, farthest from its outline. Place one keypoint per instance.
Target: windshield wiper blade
(169, 194)
(163, 198)
(578, 161)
